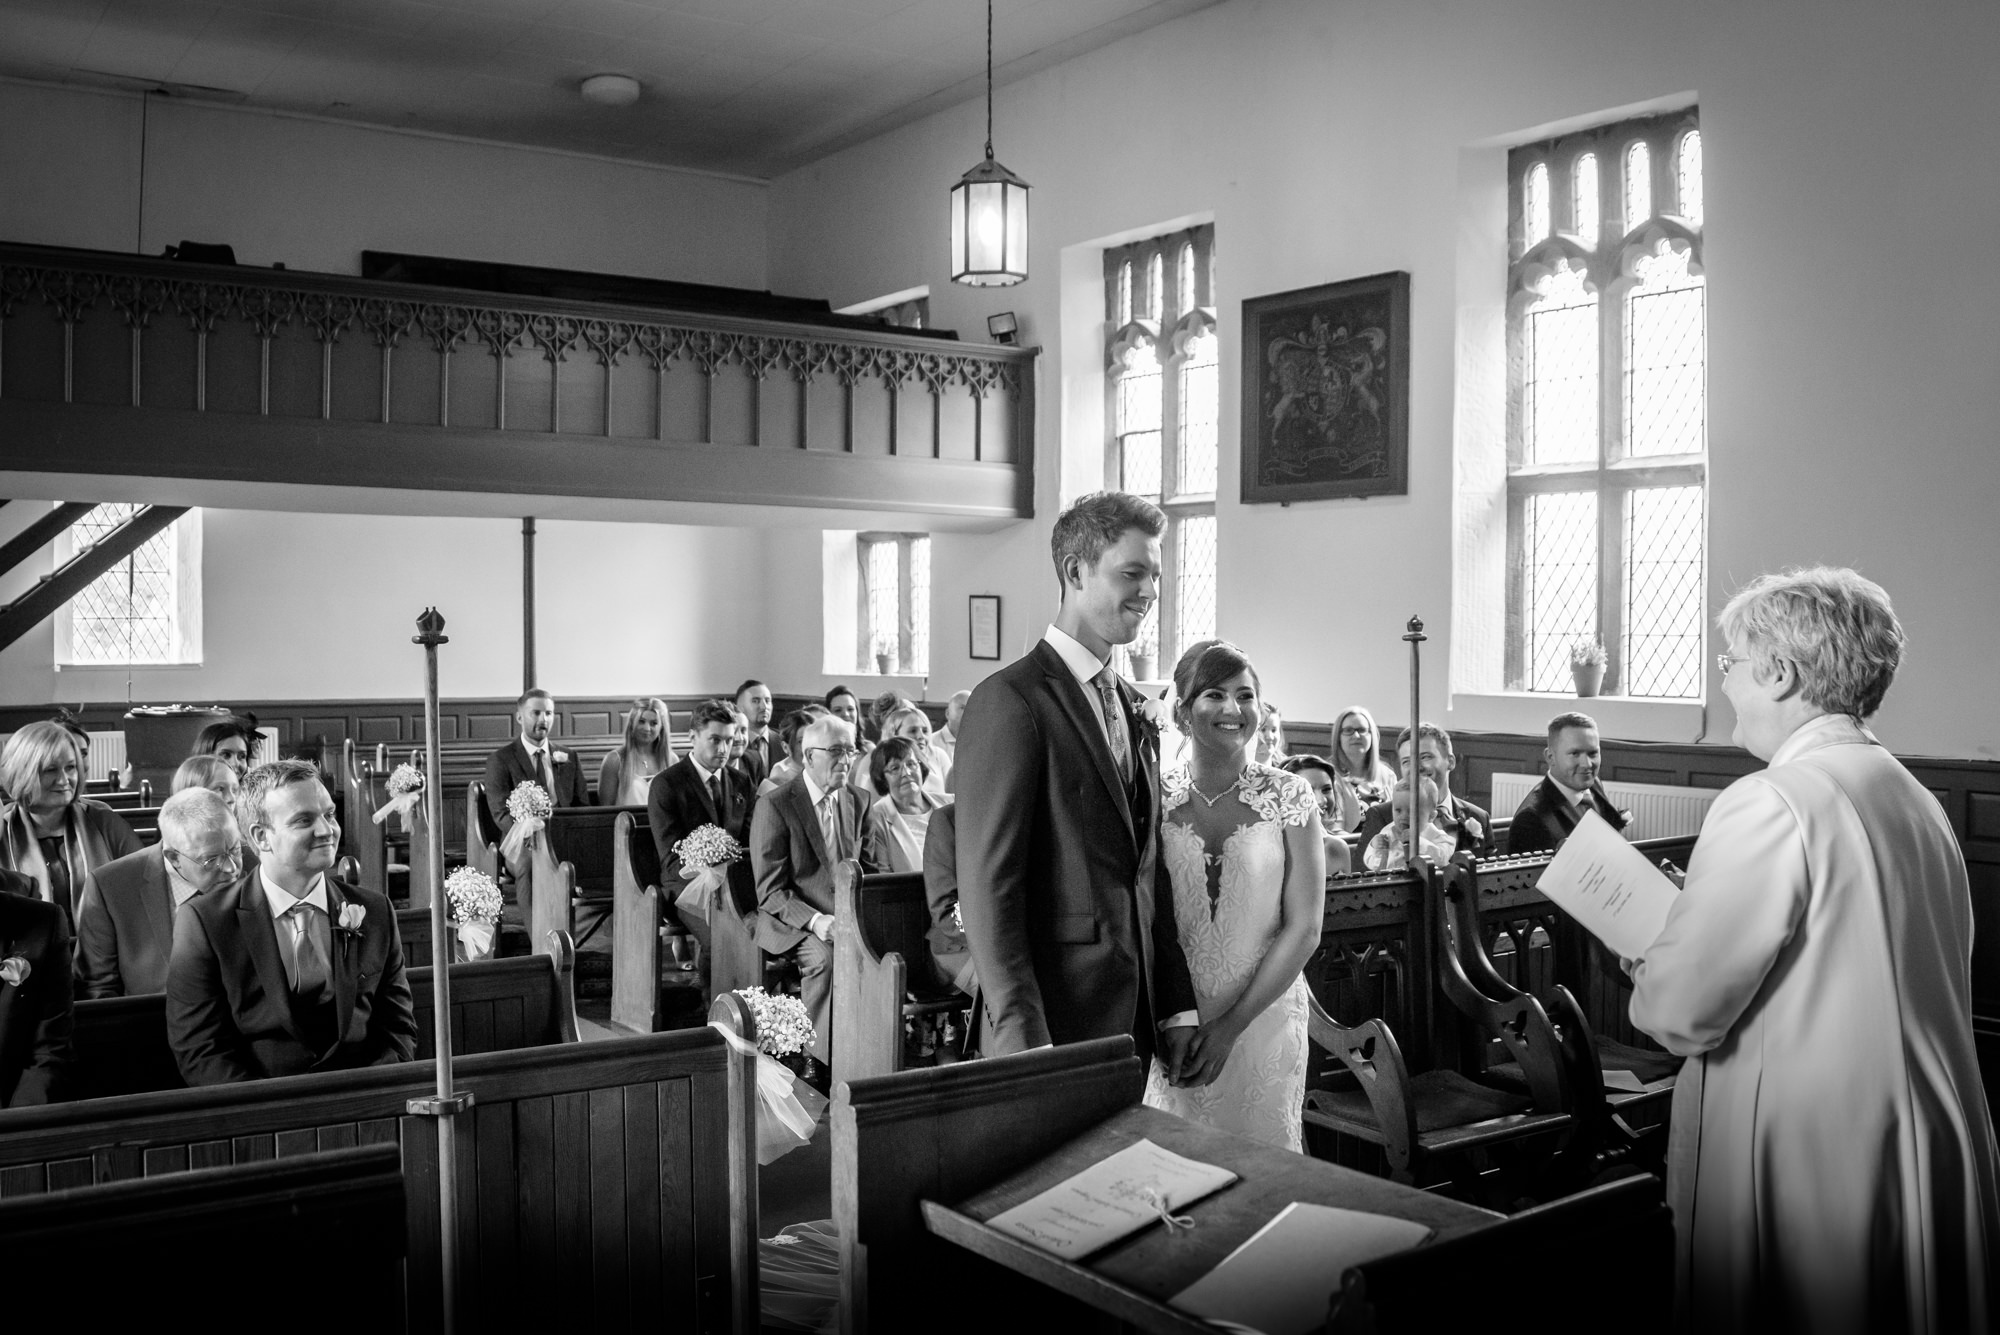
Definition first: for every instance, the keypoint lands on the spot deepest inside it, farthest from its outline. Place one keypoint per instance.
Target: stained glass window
(1609, 365)
(129, 614)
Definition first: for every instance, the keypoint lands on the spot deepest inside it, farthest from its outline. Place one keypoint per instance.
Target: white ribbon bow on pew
(787, 1107)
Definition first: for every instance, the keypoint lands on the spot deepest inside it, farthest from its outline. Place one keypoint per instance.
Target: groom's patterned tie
(1115, 730)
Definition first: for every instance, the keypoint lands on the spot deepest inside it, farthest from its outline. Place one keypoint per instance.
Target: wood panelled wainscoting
(1969, 790)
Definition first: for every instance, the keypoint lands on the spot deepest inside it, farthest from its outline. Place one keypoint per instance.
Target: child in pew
(1389, 850)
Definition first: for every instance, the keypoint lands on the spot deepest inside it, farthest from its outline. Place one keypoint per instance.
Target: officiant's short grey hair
(1836, 627)
(1097, 521)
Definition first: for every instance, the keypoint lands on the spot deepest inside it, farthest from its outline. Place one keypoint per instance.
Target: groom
(1058, 779)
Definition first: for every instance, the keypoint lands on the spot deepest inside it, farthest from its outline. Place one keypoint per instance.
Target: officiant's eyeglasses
(1724, 661)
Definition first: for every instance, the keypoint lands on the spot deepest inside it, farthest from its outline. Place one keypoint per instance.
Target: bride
(1241, 844)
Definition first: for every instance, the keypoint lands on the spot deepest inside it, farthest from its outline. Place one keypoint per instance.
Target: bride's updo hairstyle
(1209, 663)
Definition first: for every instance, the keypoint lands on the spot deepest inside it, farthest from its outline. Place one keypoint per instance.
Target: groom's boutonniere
(352, 915)
(1155, 715)
(15, 969)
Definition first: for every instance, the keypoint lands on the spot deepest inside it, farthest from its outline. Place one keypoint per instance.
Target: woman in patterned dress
(1242, 847)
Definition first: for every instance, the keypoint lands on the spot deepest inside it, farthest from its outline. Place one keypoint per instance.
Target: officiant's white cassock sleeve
(1832, 1154)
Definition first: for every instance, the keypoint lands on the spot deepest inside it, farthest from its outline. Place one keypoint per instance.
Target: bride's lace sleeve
(1174, 786)
(1277, 796)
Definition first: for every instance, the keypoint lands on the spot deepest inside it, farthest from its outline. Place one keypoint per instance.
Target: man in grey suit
(125, 920)
(798, 835)
(1058, 838)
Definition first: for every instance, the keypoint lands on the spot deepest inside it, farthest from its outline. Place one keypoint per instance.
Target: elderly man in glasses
(125, 921)
(799, 834)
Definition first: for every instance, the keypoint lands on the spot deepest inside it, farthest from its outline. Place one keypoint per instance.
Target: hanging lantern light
(989, 211)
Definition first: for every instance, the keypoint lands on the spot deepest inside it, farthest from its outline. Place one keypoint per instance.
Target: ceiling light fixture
(611, 90)
(989, 211)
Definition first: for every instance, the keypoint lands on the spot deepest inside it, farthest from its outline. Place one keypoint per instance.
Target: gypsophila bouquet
(783, 1026)
(405, 779)
(708, 846)
(530, 799)
(473, 896)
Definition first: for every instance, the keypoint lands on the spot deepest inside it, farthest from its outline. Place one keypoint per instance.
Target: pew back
(881, 957)
(594, 1179)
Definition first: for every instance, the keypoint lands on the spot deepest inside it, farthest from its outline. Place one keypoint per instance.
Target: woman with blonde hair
(49, 831)
(211, 772)
(908, 721)
(1357, 758)
(626, 775)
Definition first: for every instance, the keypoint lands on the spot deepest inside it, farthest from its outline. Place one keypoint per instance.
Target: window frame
(1141, 277)
(903, 663)
(185, 535)
(1613, 475)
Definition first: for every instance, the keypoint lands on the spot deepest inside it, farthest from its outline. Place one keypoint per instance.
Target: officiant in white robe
(1832, 1161)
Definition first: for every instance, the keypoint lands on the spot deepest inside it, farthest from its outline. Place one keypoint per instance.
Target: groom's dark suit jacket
(231, 1014)
(1545, 817)
(1057, 861)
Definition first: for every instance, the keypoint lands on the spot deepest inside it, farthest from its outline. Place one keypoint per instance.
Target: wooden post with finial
(1413, 635)
(447, 1103)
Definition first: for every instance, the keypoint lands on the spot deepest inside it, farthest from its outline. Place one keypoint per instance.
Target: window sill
(1629, 718)
(126, 667)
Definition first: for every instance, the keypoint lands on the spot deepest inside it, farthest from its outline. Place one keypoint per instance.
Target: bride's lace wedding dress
(1227, 922)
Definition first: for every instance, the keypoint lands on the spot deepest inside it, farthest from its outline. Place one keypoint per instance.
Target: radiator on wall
(107, 756)
(1658, 810)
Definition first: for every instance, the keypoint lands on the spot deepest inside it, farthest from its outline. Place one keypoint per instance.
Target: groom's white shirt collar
(1082, 663)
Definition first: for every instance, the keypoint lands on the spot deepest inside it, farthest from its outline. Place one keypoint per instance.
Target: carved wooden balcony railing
(115, 364)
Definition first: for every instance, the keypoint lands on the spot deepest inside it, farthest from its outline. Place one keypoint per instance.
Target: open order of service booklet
(1280, 1281)
(1111, 1199)
(1610, 887)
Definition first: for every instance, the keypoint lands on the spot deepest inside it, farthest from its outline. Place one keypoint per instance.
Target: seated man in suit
(1470, 827)
(761, 746)
(287, 970)
(125, 923)
(529, 758)
(1570, 788)
(703, 788)
(799, 834)
(36, 995)
(947, 933)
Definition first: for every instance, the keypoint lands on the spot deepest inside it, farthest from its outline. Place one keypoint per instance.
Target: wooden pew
(482, 843)
(342, 1206)
(464, 762)
(496, 1006)
(640, 923)
(574, 857)
(361, 789)
(882, 970)
(596, 1188)
(145, 822)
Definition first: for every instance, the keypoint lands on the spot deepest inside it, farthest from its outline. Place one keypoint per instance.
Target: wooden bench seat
(883, 974)
(596, 1188)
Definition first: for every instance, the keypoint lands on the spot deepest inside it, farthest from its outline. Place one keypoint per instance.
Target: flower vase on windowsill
(1586, 666)
(882, 665)
(1144, 666)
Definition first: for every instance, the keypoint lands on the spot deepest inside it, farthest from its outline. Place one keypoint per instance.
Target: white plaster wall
(1852, 327)
(314, 194)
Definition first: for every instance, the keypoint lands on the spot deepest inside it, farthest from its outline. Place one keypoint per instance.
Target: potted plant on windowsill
(1586, 665)
(884, 657)
(1144, 664)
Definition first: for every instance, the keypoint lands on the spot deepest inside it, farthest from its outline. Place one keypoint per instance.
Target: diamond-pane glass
(1663, 592)
(1125, 294)
(883, 589)
(1138, 424)
(920, 606)
(1560, 597)
(1687, 171)
(1666, 359)
(128, 614)
(1194, 566)
(1560, 400)
(1535, 204)
(1156, 287)
(1200, 381)
(1186, 275)
(1638, 184)
(1584, 205)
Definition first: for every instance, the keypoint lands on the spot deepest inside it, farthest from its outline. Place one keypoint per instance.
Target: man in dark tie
(762, 749)
(532, 758)
(1469, 826)
(1570, 788)
(125, 921)
(798, 835)
(701, 789)
(288, 970)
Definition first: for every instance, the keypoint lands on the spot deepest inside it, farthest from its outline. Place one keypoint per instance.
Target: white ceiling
(747, 86)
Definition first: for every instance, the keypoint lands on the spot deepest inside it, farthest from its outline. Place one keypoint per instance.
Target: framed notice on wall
(985, 622)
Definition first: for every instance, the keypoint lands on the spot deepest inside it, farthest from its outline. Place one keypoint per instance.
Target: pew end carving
(884, 977)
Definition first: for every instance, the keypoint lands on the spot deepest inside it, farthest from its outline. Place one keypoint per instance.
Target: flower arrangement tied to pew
(787, 1107)
(529, 805)
(705, 857)
(406, 795)
(475, 906)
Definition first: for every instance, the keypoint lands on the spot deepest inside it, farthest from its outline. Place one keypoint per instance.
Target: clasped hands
(1194, 1054)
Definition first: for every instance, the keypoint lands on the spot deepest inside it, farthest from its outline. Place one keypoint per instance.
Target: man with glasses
(125, 921)
(799, 834)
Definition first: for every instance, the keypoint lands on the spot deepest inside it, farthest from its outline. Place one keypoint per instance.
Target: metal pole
(1414, 637)
(528, 682)
(445, 1104)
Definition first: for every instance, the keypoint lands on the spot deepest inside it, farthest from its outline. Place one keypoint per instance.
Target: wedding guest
(1833, 1166)
(945, 740)
(753, 701)
(739, 747)
(72, 725)
(913, 725)
(1389, 849)
(789, 729)
(1270, 748)
(897, 823)
(626, 775)
(287, 970)
(1554, 806)
(529, 758)
(702, 789)
(49, 831)
(844, 705)
(1469, 826)
(798, 835)
(231, 740)
(1319, 774)
(879, 710)
(210, 772)
(125, 921)
(1357, 757)
(37, 994)
(947, 934)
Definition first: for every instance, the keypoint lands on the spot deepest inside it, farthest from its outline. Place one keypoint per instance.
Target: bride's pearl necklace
(1229, 788)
